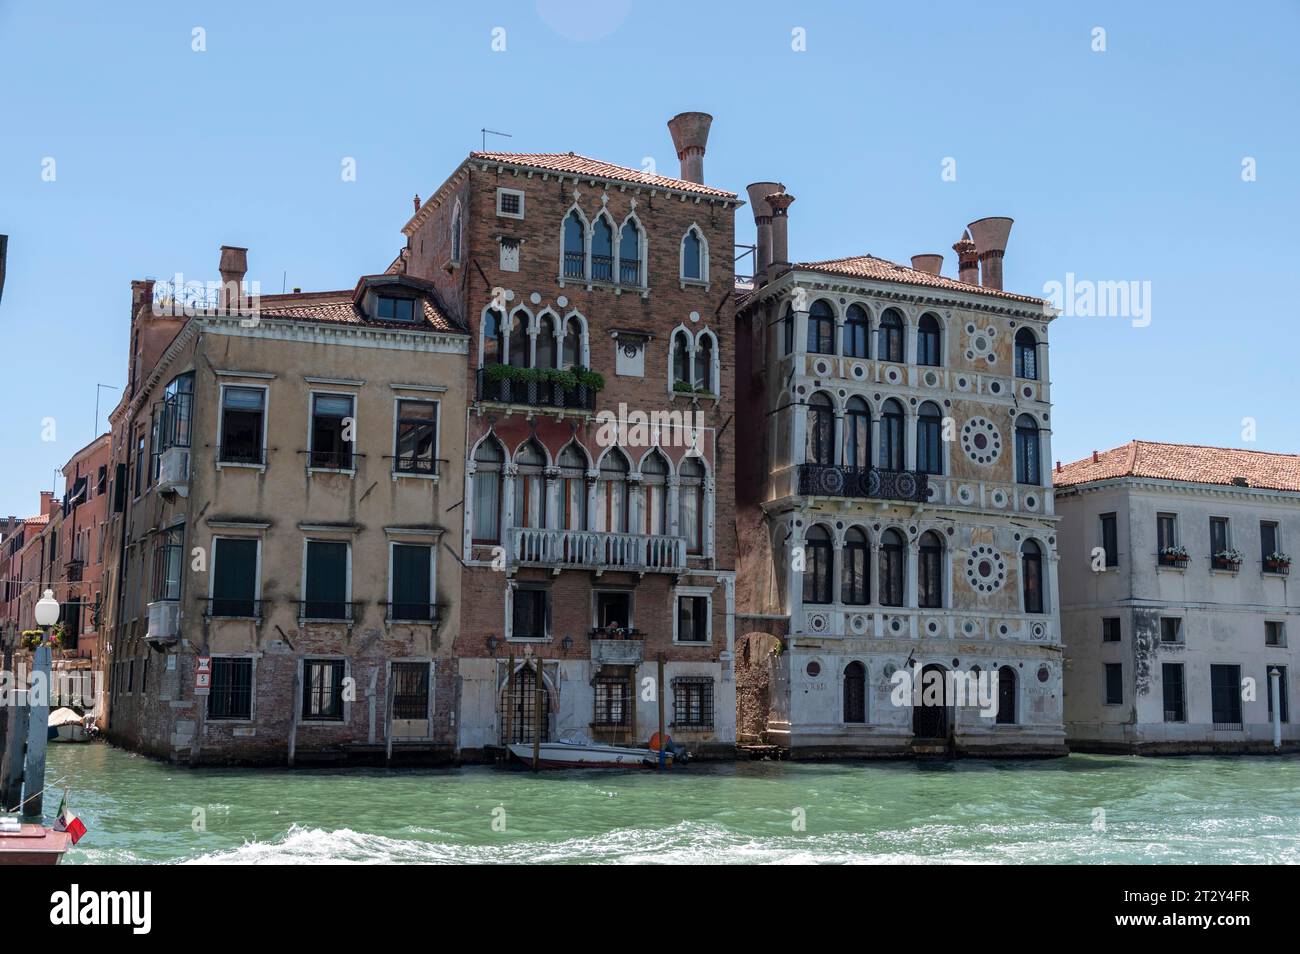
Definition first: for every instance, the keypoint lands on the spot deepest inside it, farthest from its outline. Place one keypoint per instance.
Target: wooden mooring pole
(38, 730)
(659, 694)
(539, 696)
(510, 706)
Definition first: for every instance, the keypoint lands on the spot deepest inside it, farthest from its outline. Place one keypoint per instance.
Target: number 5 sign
(202, 675)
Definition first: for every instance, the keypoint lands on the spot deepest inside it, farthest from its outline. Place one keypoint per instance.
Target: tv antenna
(492, 132)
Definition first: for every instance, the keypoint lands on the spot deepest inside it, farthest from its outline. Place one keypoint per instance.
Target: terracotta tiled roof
(1191, 463)
(868, 266)
(338, 308)
(572, 163)
(40, 520)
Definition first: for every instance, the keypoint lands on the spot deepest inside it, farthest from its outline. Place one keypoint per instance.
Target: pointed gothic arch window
(488, 461)
(629, 254)
(614, 470)
(575, 246)
(602, 250)
(530, 486)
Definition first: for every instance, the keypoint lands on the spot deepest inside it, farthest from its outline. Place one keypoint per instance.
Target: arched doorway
(930, 711)
(519, 708)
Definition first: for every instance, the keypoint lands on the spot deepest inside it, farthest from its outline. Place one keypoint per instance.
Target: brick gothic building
(899, 512)
(591, 553)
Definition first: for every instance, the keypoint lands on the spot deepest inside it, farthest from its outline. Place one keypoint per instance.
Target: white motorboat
(68, 726)
(578, 754)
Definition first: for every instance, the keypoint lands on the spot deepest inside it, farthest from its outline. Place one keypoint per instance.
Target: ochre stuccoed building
(591, 555)
(286, 477)
(895, 512)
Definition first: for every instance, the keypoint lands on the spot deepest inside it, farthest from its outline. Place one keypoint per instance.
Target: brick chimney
(990, 236)
(968, 262)
(758, 193)
(233, 267)
(930, 264)
(690, 133)
(780, 203)
(47, 502)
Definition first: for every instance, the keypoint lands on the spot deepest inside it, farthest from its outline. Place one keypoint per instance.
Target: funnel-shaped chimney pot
(690, 133)
(780, 203)
(930, 264)
(758, 193)
(233, 267)
(990, 236)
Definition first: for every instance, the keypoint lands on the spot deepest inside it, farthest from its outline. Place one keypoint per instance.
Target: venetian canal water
(1183, 810)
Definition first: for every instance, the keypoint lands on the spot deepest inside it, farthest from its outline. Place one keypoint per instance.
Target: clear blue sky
(1122, 165)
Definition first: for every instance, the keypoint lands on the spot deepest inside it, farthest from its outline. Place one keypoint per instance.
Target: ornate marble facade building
(895, 512)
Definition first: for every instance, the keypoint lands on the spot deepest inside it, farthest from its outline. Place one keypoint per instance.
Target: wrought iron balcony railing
(871, 483)
(534, 393)
(593, 549)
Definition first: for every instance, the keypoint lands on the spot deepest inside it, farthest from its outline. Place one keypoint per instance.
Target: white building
(895, 512)
(1176, 607)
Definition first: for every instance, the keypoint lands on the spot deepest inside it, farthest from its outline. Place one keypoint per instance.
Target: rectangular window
(1109, 539)
(1171, 678)
(326, 595)
(411, 690)
(693, 703)
(531, 612)
(613, 700)
(1114, 684)
(510, 204)
(322, 690)
(139, 465)
(1268, 542)
(693, 619)
(613, 609)
(332, 422)
(1167, 530)
(234, 577)
(1225, 696)
(1281, 692)
(394, 309)
(1110, 629)
(243, 421)
(1219, 541)
(417, 437)
(1274, 633)
(1171, 629)
(412, 582)
(168, 556)
(231, 695)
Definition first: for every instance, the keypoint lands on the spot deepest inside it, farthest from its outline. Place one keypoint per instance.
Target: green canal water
(1183, 810)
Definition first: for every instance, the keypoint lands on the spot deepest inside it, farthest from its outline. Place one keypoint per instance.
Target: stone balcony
(594, 550)
(867, 483)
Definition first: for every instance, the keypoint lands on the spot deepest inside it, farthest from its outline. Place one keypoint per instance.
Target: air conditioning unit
(164, 621)
(174, 471)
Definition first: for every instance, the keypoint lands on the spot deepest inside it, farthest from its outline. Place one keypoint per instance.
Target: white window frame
(437, 437)
(302, 584)
(303, 719)
(703, 280)
(510, 614)
(707, 593)
(433, 579)
(266, 423)
(595, 605)
(311, 420)
(432, 665)
(501, 213)
(212, 571)
(252, 690)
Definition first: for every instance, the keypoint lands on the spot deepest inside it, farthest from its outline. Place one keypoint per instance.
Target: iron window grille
(227, 607)
(410, 690)
(322, 690)
(613, 701)
(231, 693)
(692, 702)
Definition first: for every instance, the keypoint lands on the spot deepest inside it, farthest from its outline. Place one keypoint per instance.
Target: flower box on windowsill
(1173, 561)
(1225, 566)
(1277, 566)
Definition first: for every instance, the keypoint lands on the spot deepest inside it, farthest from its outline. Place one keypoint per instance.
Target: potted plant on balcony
(1176, 555)
(1277, 562)
(1229, 559)
(34, 639)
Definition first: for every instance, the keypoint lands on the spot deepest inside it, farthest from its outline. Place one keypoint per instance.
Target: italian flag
(68, 821)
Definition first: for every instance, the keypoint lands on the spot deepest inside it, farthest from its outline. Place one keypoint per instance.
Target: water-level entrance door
(930, 712)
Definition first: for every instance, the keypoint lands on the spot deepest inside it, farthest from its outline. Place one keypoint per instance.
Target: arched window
(1031, 576)
(487, 491)
(893, 569)
(855, 693)
(787, 330)
(929, 439)
(575, 246)
(704, 364)
(572, 351)
(857, 434)
(654, 483)
(1006, 696)
(494, 346)
(614, 469)
(820, 448)
(1027, 451)
(929, 571)
(573, 486)
(891, 336)
(546, 352)
(855, 576)
(857, 333)
(530, 486)
(520, 352)
(928, 340)
(1026, 355)
(456, 227)
(602, 250)
(629, 255)
(690, 503)
(817, 566)
(821, 328)
(681, 360)
(694, 263)
(892, 451)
